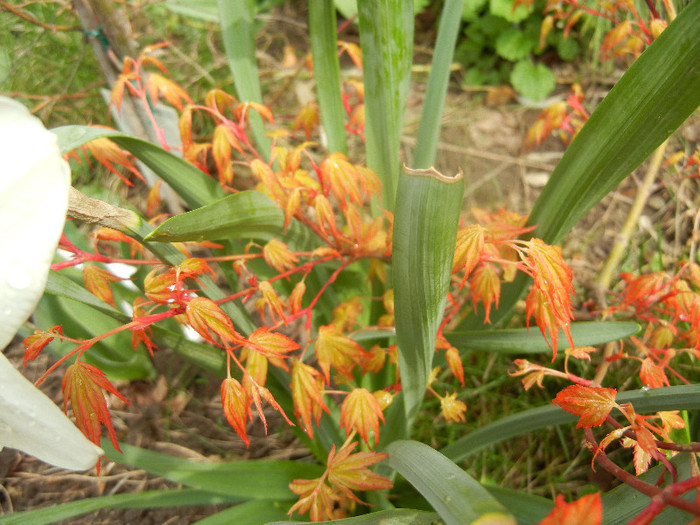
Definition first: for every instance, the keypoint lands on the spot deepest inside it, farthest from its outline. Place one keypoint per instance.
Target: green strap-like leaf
(457, 497)
(425, 231)
(385, 517)
(193, 186)
(252, 479)
(247, 214)
(136, 500)
(386, 36)
(530, 341)
(431, 115)
(254, 512)
(324, 48)
(237, 30)
(686, 397)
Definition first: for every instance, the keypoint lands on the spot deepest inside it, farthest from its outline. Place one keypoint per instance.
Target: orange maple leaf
(587, 510)
(83, 384)
(35, 344)
(316, 498)
(652, 375)
(307, 119)
(334, 349)
(468, 250)
(237, 406)
(485, 286)
(348, 472)
(97, 282)
(550, 303)
(278, 255)
(159, 286)
(168, 89)
(452, 408)
(307, 395)
(361, 412)
(206, 318)
(272, 345)
(108, 154)
(590, 404)
(141, 335)
(454, 361)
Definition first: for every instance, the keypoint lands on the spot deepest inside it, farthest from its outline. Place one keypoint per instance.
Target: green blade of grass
(137, 500)
(324, 49)
(425, 232)
(457, 497)
(236, 18)
(686, 397)
(254, 512)
(252, 479)
(525, 341)
(247, 214)
(386, 37)
(431, 114)
(192, 185)
(384, 517)
(651, 100)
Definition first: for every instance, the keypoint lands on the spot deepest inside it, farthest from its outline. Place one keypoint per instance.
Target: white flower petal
(34, 183)
(31, 422)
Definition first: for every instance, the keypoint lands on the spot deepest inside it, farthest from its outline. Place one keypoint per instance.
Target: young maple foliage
(361, 412)
(83, 384)
(587, 510)
(591, 405)
(35, 344)
(207, 319)
(549, 300)
(307, 395)
(237, 406)
(97, 282)
(334, 349)
(325, 497)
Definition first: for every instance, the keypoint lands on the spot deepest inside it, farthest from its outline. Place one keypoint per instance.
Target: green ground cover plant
(345, 296)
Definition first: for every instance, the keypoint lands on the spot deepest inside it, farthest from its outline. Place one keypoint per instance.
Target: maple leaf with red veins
(590, 404)
(307, 395)
(316, 498)
(452, 408)
(348, 471)
(206, 318)
(159, 286)
(587, 510)
(272, 345)
(237, 407)
(334, 349)
(552, 277)
(361, 412)
(108, 154)
(35, 344)
(485, 287)
(468, 250)
(97, 282)
(83, 384)
(278, 255)
(454, 361)
(652, 375)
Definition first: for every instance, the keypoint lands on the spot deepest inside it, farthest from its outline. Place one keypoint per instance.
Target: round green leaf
(534, 82)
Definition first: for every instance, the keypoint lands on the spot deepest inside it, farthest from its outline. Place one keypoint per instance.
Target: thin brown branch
(666, 496)
(15, 10)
